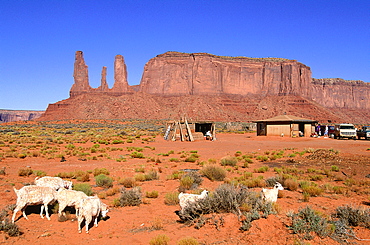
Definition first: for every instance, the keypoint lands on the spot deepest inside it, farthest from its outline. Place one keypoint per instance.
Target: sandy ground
(131, 225)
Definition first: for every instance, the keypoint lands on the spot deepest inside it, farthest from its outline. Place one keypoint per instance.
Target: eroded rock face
(81, 78)
(339, 93)
(15, 115)
(174, 73)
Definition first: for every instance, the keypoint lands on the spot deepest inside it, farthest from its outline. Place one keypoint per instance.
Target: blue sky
(39, 39)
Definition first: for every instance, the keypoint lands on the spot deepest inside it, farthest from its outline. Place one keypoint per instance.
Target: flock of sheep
(47, 190)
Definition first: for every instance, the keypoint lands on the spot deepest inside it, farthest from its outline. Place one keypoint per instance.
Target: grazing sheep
(271, 195)
(89, 208)
(186, 199)
(34, 195)
(69, 198)
(53, 182)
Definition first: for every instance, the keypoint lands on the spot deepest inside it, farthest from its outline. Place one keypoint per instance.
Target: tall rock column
(104, 85)
(120, 75)
(80, 75)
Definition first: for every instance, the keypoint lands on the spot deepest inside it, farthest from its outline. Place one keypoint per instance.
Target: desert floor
(133, 225)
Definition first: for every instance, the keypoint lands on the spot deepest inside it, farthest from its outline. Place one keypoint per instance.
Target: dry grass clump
(84, 187)
(98, 171)
(171, 198)
(229, 161)
(128, 182)
(25, 172)
(188, 241)
(160, 239)
(7, 226)
(151, 194)
(103, 180)
(214, 172)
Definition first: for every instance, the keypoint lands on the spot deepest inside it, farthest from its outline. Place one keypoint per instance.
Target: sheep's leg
(62, 206)
(42, 211)
(96, 221)
(24, 212)
(88, 221)
(14, 213)
(46, 211)
(80, 219)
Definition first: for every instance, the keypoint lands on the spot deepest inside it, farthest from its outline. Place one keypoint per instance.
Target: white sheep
(89, 208)
(186, 199)
(53, 182)
(69, 198)
(271, 195)
(34, 195)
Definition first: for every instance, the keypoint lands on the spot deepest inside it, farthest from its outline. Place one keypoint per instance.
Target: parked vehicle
(344, 130)
(364, 132)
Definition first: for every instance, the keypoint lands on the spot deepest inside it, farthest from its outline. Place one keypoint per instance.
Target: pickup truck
(364, 132)
(344, 130)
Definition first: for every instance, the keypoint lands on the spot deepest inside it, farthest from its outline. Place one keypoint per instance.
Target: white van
(344, 130)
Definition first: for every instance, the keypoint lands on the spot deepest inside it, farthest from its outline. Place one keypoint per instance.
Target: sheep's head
(68, 184)
(278, 186)
(204, 193)
(104, 209)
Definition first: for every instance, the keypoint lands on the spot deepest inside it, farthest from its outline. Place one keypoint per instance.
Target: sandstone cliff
(15, 115)
(208, 87)
(175, 73)
(339, 93)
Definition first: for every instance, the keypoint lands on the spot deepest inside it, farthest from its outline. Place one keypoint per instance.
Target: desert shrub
(2, 171)
(253, 183)
(151, 175)
(190, 181)
(229, 161)
(103, 180)
(191, 159)
(262, 158)
(39, 173)
(313, 191)
(151, 194)
(82, 176)
(188, 241)
(307, 221)
(160, 239)
(140, 169)
(130, 197)
(136, 154)
(7, 226)
(291, 184)
(262, 169)
(316, 177)
(112, 191)
(84, 187)
(171, 198)
(139, 177)
(353, 216)
(213, 172)
(25, 172)
(128, 182)
(174, 159)
(98, 171)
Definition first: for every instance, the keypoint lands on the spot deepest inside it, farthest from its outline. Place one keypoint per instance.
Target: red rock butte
(208, 87)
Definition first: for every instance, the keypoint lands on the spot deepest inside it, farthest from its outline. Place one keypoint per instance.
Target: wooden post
(188, 129)
(174, 132)
(181, 133)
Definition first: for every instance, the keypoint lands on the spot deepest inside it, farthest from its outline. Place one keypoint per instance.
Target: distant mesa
(18, 115)
(206, 86)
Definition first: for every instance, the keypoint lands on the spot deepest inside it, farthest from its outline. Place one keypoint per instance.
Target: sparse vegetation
(213, 172)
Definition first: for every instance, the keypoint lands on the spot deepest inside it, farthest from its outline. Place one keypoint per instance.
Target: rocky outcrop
(15, 115)
(81, 78)
(174, 74)
(208, 87)
(339, 93)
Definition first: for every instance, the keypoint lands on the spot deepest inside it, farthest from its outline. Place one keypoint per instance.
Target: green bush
(103, 180)
(307, 221)
(98, 171)
(213, 172)
(229, 161)
(84, 187)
